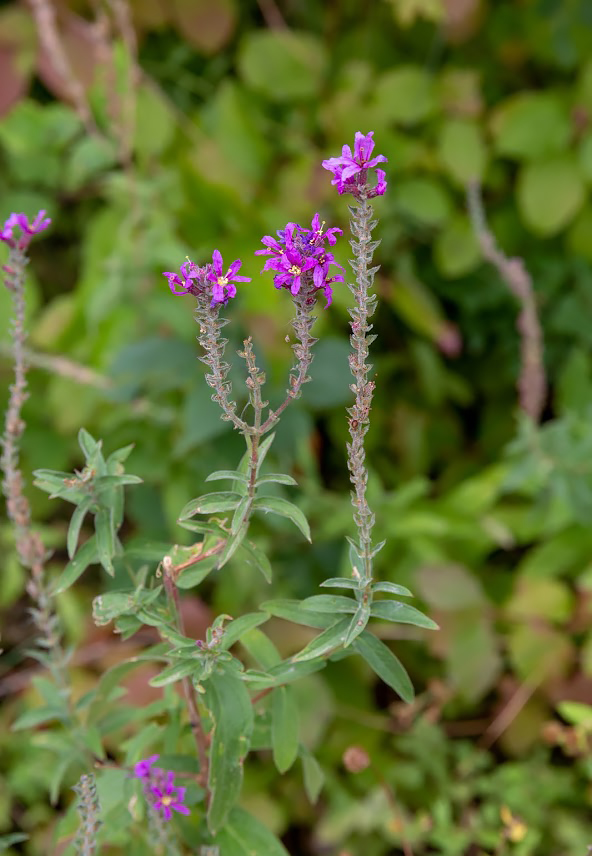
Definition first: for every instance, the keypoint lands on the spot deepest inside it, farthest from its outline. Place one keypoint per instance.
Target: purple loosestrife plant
(224, 699)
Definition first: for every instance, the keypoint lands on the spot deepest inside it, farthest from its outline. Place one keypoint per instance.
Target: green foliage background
(486, 518)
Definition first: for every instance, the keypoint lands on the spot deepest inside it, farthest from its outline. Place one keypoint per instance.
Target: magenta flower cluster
(17, 232)
(210, 280)
(299, 254)
(160, 789)
(350, 171)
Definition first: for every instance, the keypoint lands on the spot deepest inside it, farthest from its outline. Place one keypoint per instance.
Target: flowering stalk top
(350, 171)
(298, 256)
(209, 280)
(27, 230)
(159, 788)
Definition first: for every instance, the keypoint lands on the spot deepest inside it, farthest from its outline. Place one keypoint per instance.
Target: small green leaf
(38, 716)
(276, 478)
(211, 503)
(332, 637)
(76, 522)
(341, 582)
(105, 535)
(330, 603)
(244, 835)
(392, 588)
(261, 648)
(292, 610)
(88, 444)
(276, 505)
(119, 456)
(313, 775)
(358, 624)
(87, 555)
(252, 555)
(284, 728)
(175, 672)
(285, 672)
(229, 703)
(236, 628)
(264, 448)
(383, 663)
(233, 475)
(401, 613)
(104, 482)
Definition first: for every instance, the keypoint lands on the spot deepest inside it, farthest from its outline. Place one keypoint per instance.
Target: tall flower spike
(350, 171)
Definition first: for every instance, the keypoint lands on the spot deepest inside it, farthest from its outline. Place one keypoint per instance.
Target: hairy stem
(195, 723)
(363, 389)
(29, 546)
(210, 326)
(302, 322)
(532, 383)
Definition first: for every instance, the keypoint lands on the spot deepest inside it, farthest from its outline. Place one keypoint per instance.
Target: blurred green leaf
(549, 194)
(284, 65)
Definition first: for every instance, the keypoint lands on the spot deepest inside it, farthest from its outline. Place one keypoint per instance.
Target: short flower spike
(350, 171)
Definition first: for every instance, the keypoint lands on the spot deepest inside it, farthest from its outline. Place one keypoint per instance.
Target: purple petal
(217, 262)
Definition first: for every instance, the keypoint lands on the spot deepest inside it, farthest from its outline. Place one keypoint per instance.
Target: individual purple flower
(317, 234)
(143, 769)
(350, 171)
(27, 230)
(223, 283)
(167, 796)
(192, 281)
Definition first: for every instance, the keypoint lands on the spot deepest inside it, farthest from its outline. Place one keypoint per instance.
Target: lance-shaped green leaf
(332, 637)
(56, 484)
(330, 603)
(244, 835)
(88, 444)
(284, 728)
(233, 475)
(175, 672)
(105, 535)
(211, 503)
(383, 663)
(76, 522)
(105, 482)
(87, 555)
(276, 505)
(313, 775)
(276, 478)
(261, 648)
(234, 631)
(229, 703)
(401, 613)
(252, 555)
(358, 624)
(341, 582)
(392, 588)
(292, 610)
(284, 673)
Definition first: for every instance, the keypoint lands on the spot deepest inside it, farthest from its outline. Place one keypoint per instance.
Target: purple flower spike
(299, 257)
(223, 288)
(168, 797)
(27, 230)
(143, 769)
(350, 171)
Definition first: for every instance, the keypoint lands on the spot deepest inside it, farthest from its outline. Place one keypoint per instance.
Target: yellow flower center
(166, 800)
(295, 270)
(222, 280)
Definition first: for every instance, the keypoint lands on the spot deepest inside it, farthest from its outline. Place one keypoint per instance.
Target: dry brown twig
(532, 383)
